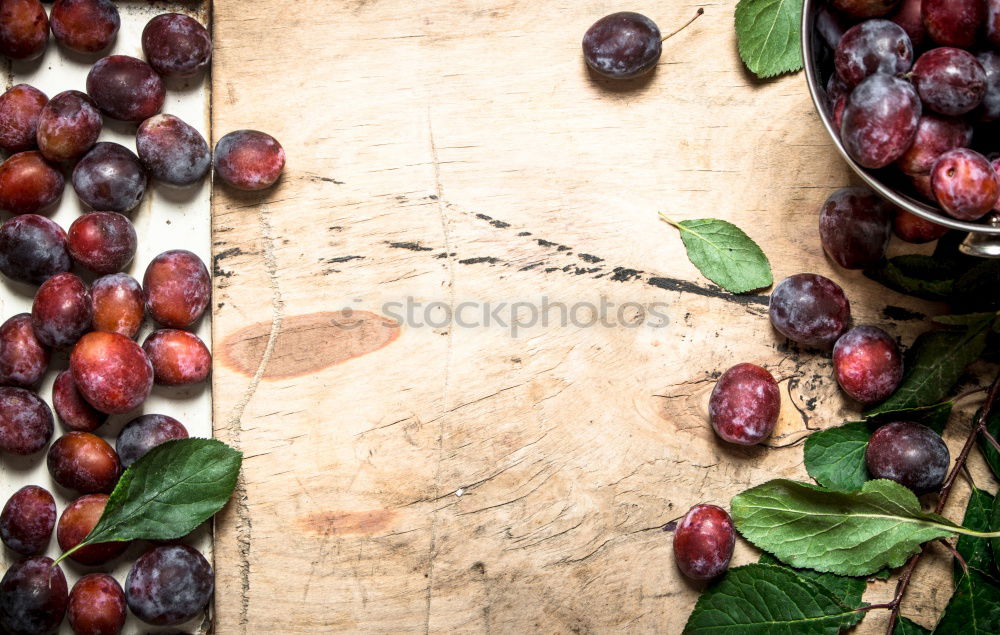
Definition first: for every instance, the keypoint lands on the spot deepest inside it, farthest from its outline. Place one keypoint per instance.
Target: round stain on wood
(308, 343)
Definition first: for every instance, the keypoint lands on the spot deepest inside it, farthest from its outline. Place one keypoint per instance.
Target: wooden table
(449, 478)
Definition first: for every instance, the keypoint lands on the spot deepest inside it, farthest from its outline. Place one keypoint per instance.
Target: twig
(954, 552)
(969, 393)
(697, 13)
(989, 437)
(979, 426)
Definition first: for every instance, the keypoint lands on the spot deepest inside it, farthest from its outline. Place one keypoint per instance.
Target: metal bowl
(984, 237)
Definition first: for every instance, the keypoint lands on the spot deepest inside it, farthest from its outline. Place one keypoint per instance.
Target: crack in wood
(438, 196)
(244, 526)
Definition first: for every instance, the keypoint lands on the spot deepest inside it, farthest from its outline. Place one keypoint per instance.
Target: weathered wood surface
(439, 479)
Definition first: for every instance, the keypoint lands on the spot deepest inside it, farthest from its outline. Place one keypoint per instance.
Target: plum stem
(978, 426)
(697, 13)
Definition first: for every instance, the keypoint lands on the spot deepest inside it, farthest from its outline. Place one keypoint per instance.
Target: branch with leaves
(824, 542)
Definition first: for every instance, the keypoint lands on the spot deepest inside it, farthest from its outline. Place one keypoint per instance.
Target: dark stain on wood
(901, 314)
(327, 523)
(308, 343)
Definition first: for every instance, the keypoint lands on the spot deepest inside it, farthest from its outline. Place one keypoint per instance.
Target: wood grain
(463, 478)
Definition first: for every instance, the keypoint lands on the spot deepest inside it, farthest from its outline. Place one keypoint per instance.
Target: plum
(27, 520)
(173, 151)
(704, 542)
(908, 16)
(144, 433)
(911, 454)
(25, 421)
(29, 184)
(953, 22)
(33, 597)
(177, 45)
(179, 358)
(745, 404)
(249, 159)
(111, 372)
(110, 178)
(854, 227)
(177, 288)
(61, 311)
(880, 120)
(72, 409)
(68, 126)
(809, 309)
(872, 46)
(865, 8)
(914, 229)
(119, 305)
(868, 364)
(79, 519)
(126, 88)
(169, 585)
(103, 242)
(23, 359)
(965, 184)
(950, 81)
(622, 45)
(85, 26)
(936, 135)
(24, 29)
(84, 462)
(20, 108)
(33, 249)
(97, 606)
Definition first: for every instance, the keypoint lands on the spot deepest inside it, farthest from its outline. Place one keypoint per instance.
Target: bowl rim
(818, 96)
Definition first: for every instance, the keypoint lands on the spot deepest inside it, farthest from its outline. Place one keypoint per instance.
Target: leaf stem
(697, 13)
(70, 552)
(671, 221)
(979, 426)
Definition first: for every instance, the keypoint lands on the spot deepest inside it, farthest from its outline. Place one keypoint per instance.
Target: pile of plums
(921, 118)
(914, 90)
(47, 142)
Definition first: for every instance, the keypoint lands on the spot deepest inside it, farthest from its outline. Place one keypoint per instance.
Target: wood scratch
(234, 421)
(450, 263)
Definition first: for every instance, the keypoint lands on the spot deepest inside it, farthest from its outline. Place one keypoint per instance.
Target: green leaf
(916, 275)
(976, 289)
(934, 417)
(934, 365)
(848, 590)
(965, 320)
(989, 452)
(168, 492)
(974, 608)
(995, 525)
(835, 457)
(847, 533)
(759, 599)
(767, 34)
(906, 626)
(724, 254)
(976, 551)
